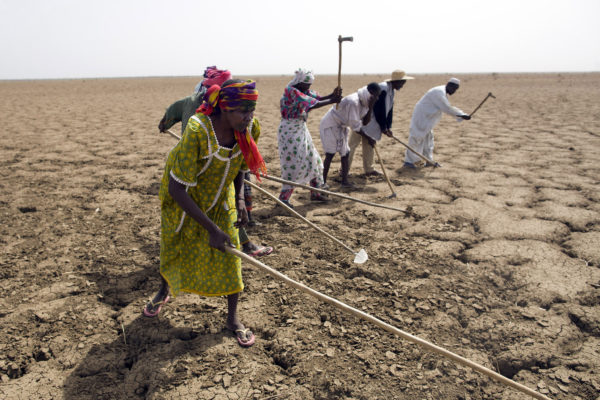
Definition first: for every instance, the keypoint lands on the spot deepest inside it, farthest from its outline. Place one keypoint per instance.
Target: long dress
(187, 261)
(299, 159)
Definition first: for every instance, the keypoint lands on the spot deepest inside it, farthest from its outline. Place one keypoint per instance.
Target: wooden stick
(367, 317)
(124, 336)
(176, 136)
(384, 172)
(339, 66)
(281, 203)
(340, 61)
(480, 104)
(414, 151)
(340, 40)
(343, 196)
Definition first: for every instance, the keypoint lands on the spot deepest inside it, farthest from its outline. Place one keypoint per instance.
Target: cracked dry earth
(498, 261)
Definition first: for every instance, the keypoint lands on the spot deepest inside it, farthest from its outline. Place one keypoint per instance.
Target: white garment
(334, 125)
(334, 139)
(429, 109)
(349, 112)
(426, 115)
(423, 145)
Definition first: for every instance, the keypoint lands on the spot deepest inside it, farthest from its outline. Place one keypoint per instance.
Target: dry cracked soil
(498, 259)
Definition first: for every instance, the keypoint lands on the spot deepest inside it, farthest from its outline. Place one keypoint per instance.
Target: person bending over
(353, 112)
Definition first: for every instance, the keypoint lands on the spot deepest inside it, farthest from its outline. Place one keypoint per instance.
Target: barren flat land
(498, 259)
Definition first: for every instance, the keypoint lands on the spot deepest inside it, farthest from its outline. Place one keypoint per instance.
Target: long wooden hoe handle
(176, 136)
(339, 66)
(293, 212)
(367, 317)
(414, 151)
(480, 104)
(343, 196)
(384, 172)
(340, 40)
(339, 61)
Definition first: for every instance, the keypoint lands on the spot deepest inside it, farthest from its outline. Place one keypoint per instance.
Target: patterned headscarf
(229, 98)
(215, 76)
(302, 76)
(212, 76)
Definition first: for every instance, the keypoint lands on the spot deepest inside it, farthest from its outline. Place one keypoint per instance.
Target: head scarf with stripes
(239, 95)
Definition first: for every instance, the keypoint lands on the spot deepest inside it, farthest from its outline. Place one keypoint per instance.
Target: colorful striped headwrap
(229, 97)
(232, 97)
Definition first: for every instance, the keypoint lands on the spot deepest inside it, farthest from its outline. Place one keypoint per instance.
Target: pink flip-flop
(152, 304)
(249, 339)
(261, 251)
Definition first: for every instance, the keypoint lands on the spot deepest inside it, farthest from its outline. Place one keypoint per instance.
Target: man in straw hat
(426, 115)
(381, 121)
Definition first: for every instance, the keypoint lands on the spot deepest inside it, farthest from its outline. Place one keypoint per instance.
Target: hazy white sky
(109, 38)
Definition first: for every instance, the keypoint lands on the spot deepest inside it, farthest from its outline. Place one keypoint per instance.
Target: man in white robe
(426, 115)
(352, 113)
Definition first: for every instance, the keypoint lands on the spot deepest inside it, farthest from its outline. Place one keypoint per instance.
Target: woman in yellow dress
(200, 211)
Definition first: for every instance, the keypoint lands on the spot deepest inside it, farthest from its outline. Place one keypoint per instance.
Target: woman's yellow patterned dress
(187, 261)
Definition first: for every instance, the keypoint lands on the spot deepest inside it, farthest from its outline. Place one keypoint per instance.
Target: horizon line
(283, 75)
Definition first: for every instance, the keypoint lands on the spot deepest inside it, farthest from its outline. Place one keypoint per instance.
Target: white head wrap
(456, 81)
(302, 76)
(364, 95)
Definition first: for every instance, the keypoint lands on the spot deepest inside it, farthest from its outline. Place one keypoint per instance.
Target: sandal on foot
(319, 197)
(260, 251)
(152, 304)
(245, 337)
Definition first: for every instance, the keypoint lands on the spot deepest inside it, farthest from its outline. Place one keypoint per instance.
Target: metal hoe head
(345, 39)
(361, 257)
